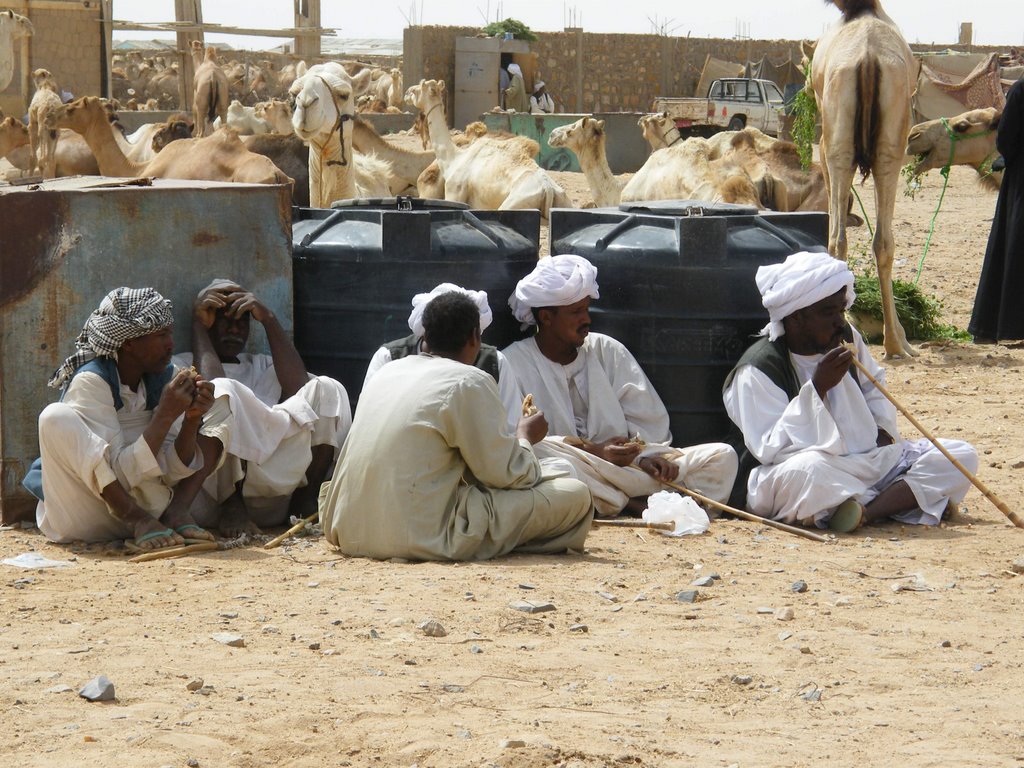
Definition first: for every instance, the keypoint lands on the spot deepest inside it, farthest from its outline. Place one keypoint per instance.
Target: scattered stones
(270, 629)
(785, 614)
(812, 694)
(226, 638)
(229, 615)
(98, 689)
(60, 689)
(579, 628)
(799, 587)
(374, 634)
(687, 596)
(512, 744)
(464, 734)
(527, 586)
(764, 609)
(452, 688)
(396, 622)
(528, 606)
(806, 649)
(741, 679)
(195, 685)
(608, 596)
(410, 662)
(784, 636)
(703, 581)
(475, 649)
(314, 646)
(1018, 565)
(192, 763)
(842, 602)
(432, 628)
(945, 644)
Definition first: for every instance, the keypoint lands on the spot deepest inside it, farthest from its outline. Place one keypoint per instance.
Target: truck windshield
(773, 93)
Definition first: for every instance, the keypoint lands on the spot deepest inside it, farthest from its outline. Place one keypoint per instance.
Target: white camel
(489, 173)
(863, 74)
(324, 108)
(42, 142)
(13, 27)
(659, 130)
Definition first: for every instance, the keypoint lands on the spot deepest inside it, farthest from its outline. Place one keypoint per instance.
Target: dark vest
(106, 368)
(486, 359)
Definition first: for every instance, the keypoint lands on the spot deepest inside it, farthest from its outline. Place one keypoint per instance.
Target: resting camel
(211, 91)
(587, 139)
(221, 157)
(324, 104)
(13, 26)
(406, 165)
(863, 75)
(72, 155)
(277, 114)
(43, 142)
(659, 130)
(290, 154)
(967, 139)
(490, 173)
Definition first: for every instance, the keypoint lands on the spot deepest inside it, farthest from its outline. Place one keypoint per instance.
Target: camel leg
(839, 176)
(33, 145)
(886, 175)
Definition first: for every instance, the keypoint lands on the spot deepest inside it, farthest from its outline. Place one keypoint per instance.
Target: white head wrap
(538, 85)
(514, 69)
(420, 301)
(801, 280)
(556, 281)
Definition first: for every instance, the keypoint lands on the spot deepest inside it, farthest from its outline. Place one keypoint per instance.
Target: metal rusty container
(66, 243)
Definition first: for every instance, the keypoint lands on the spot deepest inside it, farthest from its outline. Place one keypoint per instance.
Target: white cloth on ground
(817, 453)
(86, 444)
(801, 280)
(621, 402)
(426, 473)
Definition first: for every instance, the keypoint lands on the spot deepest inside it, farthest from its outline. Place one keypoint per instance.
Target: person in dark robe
(998, 312)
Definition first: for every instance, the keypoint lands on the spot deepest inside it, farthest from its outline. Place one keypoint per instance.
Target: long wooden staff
(273, 543)
(184, 549)
(634, 524)
(986, 492)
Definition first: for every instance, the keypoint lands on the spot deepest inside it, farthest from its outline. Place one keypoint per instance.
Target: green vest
(486, 359)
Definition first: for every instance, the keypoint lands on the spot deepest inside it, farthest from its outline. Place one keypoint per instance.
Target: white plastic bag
(670, 507)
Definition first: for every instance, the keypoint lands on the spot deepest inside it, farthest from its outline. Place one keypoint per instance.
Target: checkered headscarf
(124, 314)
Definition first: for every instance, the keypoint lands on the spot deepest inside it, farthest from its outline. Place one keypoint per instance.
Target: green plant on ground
(920, 315)
(911, 179)
(805, 126)
(519, 30)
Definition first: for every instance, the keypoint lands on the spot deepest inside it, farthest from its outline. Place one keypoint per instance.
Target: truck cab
(738, 102)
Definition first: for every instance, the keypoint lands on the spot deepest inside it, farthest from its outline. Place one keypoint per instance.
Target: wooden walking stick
(985, 491)
(634, 524)
(273, 543)
(184, 549)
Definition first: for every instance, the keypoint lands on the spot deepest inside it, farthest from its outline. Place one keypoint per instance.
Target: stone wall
(68, 41)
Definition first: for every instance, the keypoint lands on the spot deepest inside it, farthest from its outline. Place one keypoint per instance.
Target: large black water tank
(677, 288)
(358, 265)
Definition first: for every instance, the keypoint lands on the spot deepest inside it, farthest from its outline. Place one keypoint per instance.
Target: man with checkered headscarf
(820, 445)
(124, 431)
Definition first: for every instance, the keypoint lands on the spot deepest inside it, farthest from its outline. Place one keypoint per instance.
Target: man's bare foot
(178, 517)
(234, 519)
(150, 534)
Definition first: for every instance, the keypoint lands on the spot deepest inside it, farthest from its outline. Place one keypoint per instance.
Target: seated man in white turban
(124, 432)
(541, 101)
(818, 444)
(605, 416)
(274, 429)
(490, 359)
(427, 472)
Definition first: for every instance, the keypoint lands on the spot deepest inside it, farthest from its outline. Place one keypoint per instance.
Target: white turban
(420, 301)
(556, 281)
(801, 280)
(514, 69)
(538, 85)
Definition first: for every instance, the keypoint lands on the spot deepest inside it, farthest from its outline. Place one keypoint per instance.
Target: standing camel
(863, 75)
(13, 26)
(211, 91)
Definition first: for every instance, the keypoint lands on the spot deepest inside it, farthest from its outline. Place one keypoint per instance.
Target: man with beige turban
(597, 399)
(274, 430)
(819, 445)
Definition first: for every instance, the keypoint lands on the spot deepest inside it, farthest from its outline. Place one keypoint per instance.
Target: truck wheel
(737, 124)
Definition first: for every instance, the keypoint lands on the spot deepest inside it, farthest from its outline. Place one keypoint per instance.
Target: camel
(13, 26)
(659, 130)
(586, 138)
(221, 157)
(406, 166)
(243, 120)
(211, 91)
(863, 75)
(388, 89)
(43, 143)
(490, 173)
(290, 154)
(72, 156)
(277, 114)
(967, 139)
(324, 102)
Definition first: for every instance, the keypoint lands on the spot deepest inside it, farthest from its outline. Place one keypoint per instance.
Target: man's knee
(57, 418)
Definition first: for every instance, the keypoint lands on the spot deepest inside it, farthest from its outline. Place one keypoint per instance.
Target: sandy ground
(905, 648)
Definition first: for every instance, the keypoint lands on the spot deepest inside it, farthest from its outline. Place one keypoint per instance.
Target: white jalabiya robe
(427, 473)
(86, 444)
(508, 389)
(612, 397)
(817, 453)
(273, 439)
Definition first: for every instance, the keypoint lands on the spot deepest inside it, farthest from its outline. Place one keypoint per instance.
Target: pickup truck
(732, 104)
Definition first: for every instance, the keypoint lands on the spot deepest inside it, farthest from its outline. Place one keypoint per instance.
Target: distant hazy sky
(924, 21)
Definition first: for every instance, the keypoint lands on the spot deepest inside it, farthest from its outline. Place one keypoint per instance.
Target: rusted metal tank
(65, 243)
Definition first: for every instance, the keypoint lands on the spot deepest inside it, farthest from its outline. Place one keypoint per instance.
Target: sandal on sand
(847, 517)
(133, 545)
(180, 530)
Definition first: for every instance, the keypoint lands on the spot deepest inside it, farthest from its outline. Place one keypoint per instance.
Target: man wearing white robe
(822, 444)
(490, 359)
(273, 431)
(124, 432)
(427, 472)
(596, 397)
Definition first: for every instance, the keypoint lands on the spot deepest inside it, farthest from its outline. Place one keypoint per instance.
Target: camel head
(81, 114)
(14, 25)
(659, 130)
(425, 96)
(969, 140)
(585, 132)
(43, 78)
(277, 113)
(177, 127)
(322, 102)
(13, 134)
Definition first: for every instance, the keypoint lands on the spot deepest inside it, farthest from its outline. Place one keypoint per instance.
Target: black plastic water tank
(677, 288)
(358, 265)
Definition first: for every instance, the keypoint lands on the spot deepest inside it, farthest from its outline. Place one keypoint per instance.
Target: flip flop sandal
(848, 517)
(133, 545)
(180, 530)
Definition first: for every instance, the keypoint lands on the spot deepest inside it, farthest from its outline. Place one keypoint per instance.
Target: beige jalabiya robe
(427, 473)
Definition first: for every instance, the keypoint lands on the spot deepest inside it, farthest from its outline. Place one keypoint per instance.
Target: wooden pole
(634, 524)
(186, 549)
(986, 492)
(273, 543)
